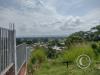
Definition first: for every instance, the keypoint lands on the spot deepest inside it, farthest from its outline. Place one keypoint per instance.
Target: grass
(48, 68)
(76, 50)
(56, 67)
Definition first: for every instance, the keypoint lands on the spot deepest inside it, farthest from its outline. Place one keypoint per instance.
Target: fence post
(26, 59)
(0, 49)
(14, 34)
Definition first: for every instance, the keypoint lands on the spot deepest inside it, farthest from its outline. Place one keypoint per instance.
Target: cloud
(40, 18)
(92, 15)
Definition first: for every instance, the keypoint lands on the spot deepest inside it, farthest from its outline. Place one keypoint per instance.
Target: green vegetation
(38, 56)
(58, 67)
(76, 50)
(49, 68)
(47, 61)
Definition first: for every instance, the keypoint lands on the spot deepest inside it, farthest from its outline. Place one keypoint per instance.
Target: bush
(38, 55)
(51, 53)
(98, 49)
(71, 54)
(94, 46)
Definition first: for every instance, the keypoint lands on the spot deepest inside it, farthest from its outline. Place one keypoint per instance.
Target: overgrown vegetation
(37, 57)
(46, 61)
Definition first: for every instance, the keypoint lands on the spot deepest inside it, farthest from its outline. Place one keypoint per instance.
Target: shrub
(71, 54)
(38, 55)
(51, 53)
(94, 46)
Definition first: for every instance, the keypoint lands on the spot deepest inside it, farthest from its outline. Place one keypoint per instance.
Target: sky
(49, 17)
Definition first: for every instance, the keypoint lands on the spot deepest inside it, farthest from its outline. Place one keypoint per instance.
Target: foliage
(94, 45)
(77, 44)
(92, 35)
(96, 48)
(29, 42)
(51, 53)
(47, 68)
(97, 28)
(38, 55)
(77, 49)
(53, 42)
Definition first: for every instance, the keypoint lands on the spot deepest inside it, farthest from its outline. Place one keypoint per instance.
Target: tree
(38, 55)
(96, 28)
(51, 53)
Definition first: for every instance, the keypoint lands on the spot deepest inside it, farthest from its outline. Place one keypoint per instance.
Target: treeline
(74, 45)
(32, 40)
(92, 35)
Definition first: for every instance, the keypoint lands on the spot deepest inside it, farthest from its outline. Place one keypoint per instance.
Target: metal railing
(6, 48)
(10, 53)
(22, 54)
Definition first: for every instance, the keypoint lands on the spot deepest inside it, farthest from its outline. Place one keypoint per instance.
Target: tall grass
(56, 67)
(75, 50)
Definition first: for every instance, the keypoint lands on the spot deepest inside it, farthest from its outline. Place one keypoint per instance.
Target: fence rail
(9, 53)
(22, 54)
(6, 48)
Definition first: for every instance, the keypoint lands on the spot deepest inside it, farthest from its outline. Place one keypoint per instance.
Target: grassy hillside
(57, 67)
(51, 68)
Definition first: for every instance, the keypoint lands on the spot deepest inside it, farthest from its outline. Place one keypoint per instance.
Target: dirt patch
(23, 70)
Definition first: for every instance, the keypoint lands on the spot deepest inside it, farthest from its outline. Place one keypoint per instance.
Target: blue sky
(49, 17)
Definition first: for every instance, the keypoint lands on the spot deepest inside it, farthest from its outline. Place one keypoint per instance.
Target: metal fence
(22, 54)
(9, 53)
(6, 48)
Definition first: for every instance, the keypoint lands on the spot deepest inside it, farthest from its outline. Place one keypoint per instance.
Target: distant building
(56, 48)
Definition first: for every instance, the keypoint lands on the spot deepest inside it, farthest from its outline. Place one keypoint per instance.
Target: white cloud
(39, 18)
(92, 15)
